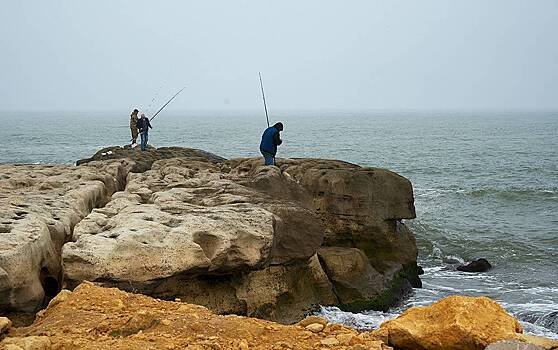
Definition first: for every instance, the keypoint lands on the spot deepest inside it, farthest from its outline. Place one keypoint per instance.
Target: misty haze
(310, 172)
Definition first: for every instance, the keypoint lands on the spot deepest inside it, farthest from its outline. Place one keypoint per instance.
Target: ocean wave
(364, 321)
(544, 323)
(515, 193)
(512, 193)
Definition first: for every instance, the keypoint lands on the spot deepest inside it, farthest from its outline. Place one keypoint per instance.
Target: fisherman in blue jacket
(270, 140)
(143, 126)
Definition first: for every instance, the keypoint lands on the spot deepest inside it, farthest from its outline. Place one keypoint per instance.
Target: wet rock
(479, 265)
(458, 322)
(548, 320)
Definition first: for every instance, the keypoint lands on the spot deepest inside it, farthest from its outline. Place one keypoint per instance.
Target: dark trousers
(268, 158)
(144, 138)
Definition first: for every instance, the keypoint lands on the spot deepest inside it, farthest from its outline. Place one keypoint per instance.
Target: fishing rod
(160, 109)
(263, 95)
(169, 101)
(155, 98)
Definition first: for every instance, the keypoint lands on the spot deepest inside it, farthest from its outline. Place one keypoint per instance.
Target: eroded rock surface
(233, 235)
(39, 207)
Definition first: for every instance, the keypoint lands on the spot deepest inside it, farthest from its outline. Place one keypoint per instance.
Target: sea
(485, 184)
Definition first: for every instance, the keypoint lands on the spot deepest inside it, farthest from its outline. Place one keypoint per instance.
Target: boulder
(479, 265)
(457, 322)
(185, 217)
(359, 207)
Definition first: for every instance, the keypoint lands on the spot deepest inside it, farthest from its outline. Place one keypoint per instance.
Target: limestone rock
(353, 278)
(283, 293)
(361, 207)
(184, 216)
(39, 207)
(183, 219)
(233, 235)
(457, 322)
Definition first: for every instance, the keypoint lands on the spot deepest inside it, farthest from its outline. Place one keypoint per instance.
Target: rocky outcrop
(99, 318)
(233, 235)
(142, 161)
(458, 322)
(39, 207)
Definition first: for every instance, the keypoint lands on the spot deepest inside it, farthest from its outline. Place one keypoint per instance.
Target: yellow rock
(60, 297)
(26, 343)
(359, 347)
(315, 327)
(345, 339)
(243, 345)
(312, 319)
(457, 323)
(329, 341)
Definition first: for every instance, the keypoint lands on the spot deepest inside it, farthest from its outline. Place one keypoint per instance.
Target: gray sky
(102, 55)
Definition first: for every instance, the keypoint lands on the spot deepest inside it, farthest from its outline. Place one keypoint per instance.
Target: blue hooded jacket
(270, 140)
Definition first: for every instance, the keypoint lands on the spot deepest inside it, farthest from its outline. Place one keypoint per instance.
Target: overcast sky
(314, 55)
